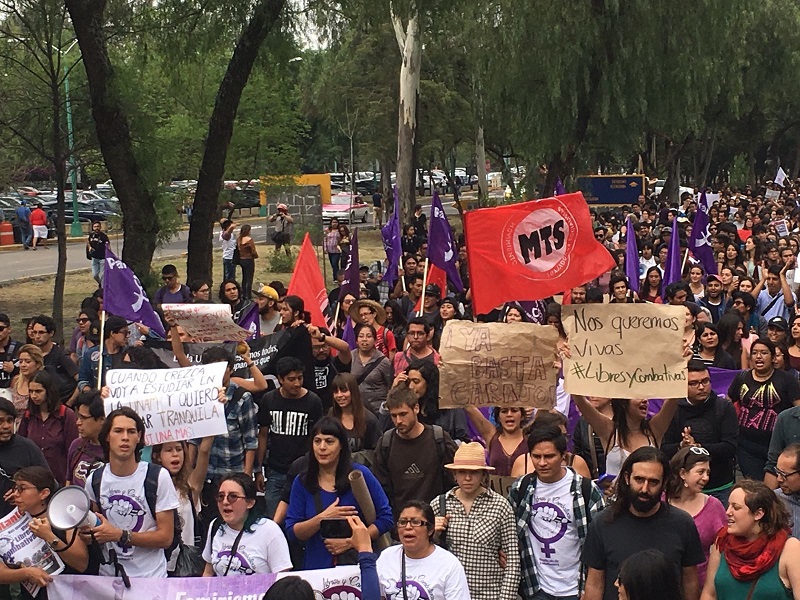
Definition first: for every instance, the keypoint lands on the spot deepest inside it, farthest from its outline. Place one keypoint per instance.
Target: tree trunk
(140, 226)
(796, 167)
(59, 162)
(386, 188)
(705, 160)
(480, 160)
(220, 129)
(410, 44)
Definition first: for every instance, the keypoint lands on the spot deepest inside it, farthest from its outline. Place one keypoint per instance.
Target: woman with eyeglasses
(241, 541)
(48, 423)
(417, 568)
(691, 467)
(323, 491)
(754, 557)
(201, 291)
(31, 361)
(33, 488)
(79, 340)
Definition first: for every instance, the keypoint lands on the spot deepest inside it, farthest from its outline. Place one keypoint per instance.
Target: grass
(24, 299)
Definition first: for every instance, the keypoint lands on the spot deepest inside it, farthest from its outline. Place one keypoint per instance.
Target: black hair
(196, 284)
(594, 295)
(40, 477)
(646, 454)
(94, 400)
(226, 223)
(47, 322)
(617, 279)
(142, 358)
(747, 299)
(221, 295)
(292, 587)
(673, 288)
(650, 575)
(52, 395)
(357, 329)
(426, 510)
(619, 417)
(297, 305)
(288, 364)
(125, 411)
(7, 406)
(764, 342)
(398, 316)
(696, 366)
(4, 319)
(547, 433)
(217, 354)
(169, 270)
(429, 403)
(420, 321)
(329, 426)
(250, 493)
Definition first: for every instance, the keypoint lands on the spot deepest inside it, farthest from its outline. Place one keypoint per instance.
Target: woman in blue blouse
(323, 492)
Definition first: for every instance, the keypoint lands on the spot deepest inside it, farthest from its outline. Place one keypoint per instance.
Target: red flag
(437, 276)
(531, 250)
(307, 282)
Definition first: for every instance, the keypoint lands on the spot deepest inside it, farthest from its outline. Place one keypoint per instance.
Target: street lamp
(75, 229)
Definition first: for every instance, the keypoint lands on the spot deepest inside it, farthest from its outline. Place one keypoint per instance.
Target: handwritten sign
(20, 548)
(625, 350)
(497, 364)
(206, 322)
(175, 404)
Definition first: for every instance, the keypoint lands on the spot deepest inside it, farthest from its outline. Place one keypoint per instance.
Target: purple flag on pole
(533, 309)
(351, 282)
(251, 320)
(560, 191)
(699, 240)
(672, 271)
(124, 296)
(391, 242)
(442, 250)
(631, 256)
(721, 379)
(349, 334)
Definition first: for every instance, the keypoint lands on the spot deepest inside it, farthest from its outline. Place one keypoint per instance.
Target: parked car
(346, 207)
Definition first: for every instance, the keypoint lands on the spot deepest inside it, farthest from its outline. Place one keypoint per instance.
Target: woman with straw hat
(369, 312)
(477, 525)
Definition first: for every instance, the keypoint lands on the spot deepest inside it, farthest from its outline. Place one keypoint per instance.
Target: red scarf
(749, 560)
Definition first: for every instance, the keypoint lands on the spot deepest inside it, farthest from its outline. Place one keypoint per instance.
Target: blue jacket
(302, 508)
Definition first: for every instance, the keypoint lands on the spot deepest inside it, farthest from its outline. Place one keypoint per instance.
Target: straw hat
(470, 457)
(380, 313)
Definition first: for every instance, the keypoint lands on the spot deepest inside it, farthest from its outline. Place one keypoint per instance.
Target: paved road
(15, 264)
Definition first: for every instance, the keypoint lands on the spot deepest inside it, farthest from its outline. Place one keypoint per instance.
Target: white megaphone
(70, 507)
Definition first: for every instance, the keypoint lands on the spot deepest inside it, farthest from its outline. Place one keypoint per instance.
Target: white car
(346, 207)
(681, 189)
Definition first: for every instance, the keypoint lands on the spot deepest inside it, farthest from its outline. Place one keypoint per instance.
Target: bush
(313, 229)
(280, 263)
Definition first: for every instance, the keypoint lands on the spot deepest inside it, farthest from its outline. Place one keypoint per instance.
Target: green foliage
(739, 171)
(314, 231)
(279, 262)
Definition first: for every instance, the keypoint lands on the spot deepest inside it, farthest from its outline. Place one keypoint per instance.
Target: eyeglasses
(413, 522)
(699, 382)
(232, 497)
(81, 320)
(760, 352)
(415, 334)
(18, 489)
(80, 417)
(784, 475)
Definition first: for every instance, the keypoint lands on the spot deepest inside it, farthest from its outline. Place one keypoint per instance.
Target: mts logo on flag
(541, 241)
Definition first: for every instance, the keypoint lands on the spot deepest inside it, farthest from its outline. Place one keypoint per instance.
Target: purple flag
(349, 334)
(124, 296)
(560, 191)
(251, 321)
(698, 242)
(672, 270)
(631, 256)
(721, 379)
(391, 242)
(441, 245)
(351, 282)
(534, 309)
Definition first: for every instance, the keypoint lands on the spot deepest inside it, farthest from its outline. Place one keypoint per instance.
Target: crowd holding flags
(124, 296)
(699, 244)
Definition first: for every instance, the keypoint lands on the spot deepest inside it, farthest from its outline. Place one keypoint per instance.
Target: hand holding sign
(206, 322)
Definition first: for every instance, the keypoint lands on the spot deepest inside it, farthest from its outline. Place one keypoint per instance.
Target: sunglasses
(3, 327)
(81, 320)
(232, 497)
(168, 277)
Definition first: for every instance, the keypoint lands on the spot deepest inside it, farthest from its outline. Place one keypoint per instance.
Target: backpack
(385, 444)
(150, 496)
(586, 489)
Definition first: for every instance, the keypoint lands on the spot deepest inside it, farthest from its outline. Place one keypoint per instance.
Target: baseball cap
(714, 277)
(267, 292)
(778, 323)
(433, 290)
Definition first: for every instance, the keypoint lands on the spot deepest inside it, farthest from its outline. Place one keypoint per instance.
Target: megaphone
(70, 507)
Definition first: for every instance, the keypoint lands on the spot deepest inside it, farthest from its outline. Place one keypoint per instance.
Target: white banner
(175, 404)
(206, 322)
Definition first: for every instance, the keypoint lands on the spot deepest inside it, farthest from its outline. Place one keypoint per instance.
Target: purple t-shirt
(709, 521)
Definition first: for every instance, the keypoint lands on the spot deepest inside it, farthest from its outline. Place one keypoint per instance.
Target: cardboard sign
(497, 364)
(772, 195)
(175, 404)
(625, 350)
(19, 547)
(206, 322)
(501, 484)
(781, 227)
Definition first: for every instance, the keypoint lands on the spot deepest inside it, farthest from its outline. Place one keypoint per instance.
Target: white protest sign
(206, 322)
(175, 404)
(20, 548)
(625, 350)
(773, 195)
(497, 364)
(781, 227)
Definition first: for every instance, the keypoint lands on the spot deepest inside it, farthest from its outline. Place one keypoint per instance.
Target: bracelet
(54, 543)
(250, 365)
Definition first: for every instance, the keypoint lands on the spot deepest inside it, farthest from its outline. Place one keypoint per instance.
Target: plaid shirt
(477, 537)
(522, 500)
(227, 452)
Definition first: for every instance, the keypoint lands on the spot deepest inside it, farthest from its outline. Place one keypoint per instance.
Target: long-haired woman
(648, 575)
(696, 286)
(794, 342)
(31, 361)
(396, 322)
(247, 259)
(505, 439)
(651, 286)
(323, 491)
(241, 541)
(730, 329)
(361, 425)
(48, 423)
(709, 351)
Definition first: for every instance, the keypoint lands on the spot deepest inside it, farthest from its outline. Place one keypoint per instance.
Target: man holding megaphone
(133, 533)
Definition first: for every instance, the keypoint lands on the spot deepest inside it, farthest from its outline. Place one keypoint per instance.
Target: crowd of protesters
(604, 498)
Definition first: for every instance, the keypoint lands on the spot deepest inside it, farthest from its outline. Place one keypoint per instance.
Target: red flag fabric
(437, 276)
(307, 282)
(531, 250)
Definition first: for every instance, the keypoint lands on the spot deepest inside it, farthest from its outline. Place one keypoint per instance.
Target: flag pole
(683, 264)
(336, 317)
(403, 277)
(102, 347)
(424, 283)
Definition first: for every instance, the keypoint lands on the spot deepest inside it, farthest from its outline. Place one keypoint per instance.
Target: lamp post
(75, 229)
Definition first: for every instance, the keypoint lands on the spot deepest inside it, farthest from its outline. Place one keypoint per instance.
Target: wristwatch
(250, 364)
(125, 538)
(322, 337)
(54, 543)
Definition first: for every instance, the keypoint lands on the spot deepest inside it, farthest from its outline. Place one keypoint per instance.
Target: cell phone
(335, 529)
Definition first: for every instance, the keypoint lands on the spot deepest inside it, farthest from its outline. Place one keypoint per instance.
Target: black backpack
(150, 496)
